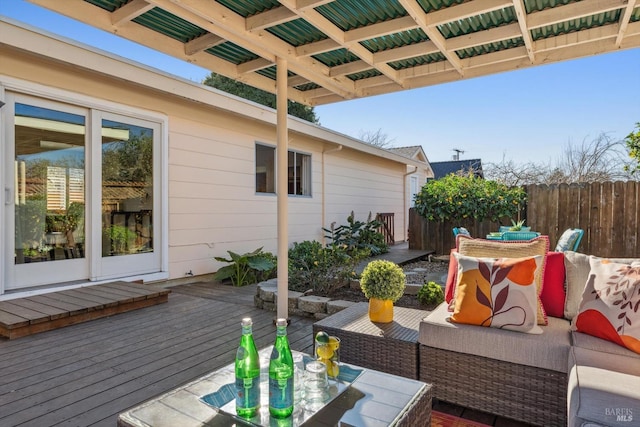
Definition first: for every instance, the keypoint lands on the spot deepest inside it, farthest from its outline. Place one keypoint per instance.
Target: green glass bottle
(247, 367)
(281, 374)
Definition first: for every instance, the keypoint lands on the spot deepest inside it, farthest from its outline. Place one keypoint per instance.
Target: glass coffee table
(372, 399)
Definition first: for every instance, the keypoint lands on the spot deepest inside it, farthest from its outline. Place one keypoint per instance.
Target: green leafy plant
(430, 294)
(321, 269)
(358, 235)
(516, 226)
(632, 141)
(245, 268)
(121, 238)
(459, 198)
(384, 280)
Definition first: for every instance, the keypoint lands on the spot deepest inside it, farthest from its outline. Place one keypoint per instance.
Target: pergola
(322, 51)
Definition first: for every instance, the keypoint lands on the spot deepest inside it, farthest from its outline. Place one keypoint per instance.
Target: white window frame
(305, 168)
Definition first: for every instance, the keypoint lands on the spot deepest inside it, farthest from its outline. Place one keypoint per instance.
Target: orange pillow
(498, 292)
(509, 249)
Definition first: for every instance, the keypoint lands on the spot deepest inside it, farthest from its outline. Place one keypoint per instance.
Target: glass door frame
(19, 276)
(10, 88)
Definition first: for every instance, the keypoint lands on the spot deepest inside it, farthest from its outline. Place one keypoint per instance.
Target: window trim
(307, 175)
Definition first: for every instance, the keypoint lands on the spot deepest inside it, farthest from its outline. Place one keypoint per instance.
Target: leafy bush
(430, 294)
(322, 269)
(358, 235)
(456, 197)
(383, 279)
(247, 268)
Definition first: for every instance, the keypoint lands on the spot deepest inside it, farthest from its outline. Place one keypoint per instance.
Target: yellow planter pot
(380, 310)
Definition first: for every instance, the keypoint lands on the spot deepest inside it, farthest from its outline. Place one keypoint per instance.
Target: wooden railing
(387, 227)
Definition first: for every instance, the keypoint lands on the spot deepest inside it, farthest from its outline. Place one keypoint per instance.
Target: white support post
(282, 189)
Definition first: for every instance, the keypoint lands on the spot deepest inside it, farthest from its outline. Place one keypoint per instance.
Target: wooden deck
(87, 373)
(29, 315)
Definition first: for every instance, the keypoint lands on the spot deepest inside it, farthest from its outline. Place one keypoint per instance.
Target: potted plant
(383, 283)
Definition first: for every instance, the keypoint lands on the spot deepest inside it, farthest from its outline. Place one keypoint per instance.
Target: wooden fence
(607, 212)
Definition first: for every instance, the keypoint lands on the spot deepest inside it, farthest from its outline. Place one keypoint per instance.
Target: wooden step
(25, 316)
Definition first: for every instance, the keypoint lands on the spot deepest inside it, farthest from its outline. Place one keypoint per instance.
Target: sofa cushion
(578, 339)
(508, 249)
(604, 389)
(577, 269)
(609, 308)
(498, 292)
(549, 350)
(553, 294)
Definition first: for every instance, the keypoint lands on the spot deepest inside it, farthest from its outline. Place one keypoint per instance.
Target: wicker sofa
(558, 378)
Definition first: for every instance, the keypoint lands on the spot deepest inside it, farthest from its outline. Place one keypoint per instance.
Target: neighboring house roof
(414, 152)
(442, 169)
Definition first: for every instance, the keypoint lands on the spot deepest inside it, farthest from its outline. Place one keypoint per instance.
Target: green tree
(457, 197)
(633, 144)
(258, 95)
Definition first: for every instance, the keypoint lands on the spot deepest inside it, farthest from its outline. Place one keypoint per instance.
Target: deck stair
(29, 315)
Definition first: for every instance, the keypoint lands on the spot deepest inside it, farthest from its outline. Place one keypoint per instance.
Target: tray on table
(224, 398)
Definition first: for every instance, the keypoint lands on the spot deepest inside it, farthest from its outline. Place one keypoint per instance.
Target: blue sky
(525, 115)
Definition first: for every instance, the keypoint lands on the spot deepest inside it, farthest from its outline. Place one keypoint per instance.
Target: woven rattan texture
(524, 393)
(419, 413)
(386, 347)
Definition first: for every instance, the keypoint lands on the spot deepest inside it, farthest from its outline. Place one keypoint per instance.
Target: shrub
(246, 268)
(430, 294)
(321, 269)
(383, 279)
(456, 197)
(358, 236)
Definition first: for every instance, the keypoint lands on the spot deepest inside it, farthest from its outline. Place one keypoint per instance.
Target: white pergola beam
(625, 17)
(255, 65)
(572, 11)
(521, 15)
(267, 19)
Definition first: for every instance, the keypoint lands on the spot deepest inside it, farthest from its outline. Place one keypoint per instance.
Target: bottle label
(281, 393)
(247, 392)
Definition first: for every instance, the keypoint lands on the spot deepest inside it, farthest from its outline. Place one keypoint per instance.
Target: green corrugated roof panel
(270, 72)
(537, 5)
(490, 48)
(109, 5)
(232, 52)
(297, 32)
(431, 5)
(170, 25)
(336, 57)
(481, 22)
(391, 41)
(246, 8)
(307, 86)
(574, 25)
(420, 60)
(350, 14)
(365, 74)
(635, 16)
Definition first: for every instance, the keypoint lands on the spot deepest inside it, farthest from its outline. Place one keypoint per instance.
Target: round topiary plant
(383, 280)
(430, 294)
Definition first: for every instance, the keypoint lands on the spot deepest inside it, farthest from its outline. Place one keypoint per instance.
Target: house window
(298, 171)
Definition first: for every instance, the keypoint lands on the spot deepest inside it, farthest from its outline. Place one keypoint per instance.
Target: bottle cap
(281, 322)
(247, 321)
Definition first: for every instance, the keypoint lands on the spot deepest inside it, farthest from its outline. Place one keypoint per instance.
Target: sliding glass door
(81, 194)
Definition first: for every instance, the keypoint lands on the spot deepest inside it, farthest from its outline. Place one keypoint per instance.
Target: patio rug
(440, 419)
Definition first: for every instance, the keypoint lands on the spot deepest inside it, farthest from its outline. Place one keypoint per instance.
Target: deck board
(87, 373)
(25, 316)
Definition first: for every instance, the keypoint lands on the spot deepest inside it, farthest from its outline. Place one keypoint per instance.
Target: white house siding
(212, 204)
(364, 185)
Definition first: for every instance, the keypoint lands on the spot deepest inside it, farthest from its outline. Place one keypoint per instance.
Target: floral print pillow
(610, 306)
(498, 292)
